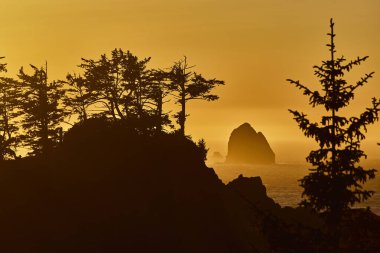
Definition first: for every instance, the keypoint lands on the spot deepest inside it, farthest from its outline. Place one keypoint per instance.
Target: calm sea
(281, 181)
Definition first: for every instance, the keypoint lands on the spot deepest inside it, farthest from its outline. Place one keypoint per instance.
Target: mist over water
(281, 181)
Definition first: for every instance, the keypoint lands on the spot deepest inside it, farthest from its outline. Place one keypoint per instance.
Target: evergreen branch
(356, 62)
(306, 91)
(362, 81)
(370, 116)
(322, 135)
(314, 97)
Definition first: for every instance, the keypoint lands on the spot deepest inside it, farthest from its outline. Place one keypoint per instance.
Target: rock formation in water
(247, 146)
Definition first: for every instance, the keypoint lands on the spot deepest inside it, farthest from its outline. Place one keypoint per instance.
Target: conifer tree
(118, 83)
(9, 113)
(187, 85)
(140, 82)
(159, 90)
(42, 111)
(124, 88)
(336, 180)
(78, 98)
(104, 78)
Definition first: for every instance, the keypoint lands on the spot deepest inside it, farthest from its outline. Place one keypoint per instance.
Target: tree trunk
(118, 111)
(112, 110)
(182, 116)
(84, 113)
(159, 113)
(44, 115)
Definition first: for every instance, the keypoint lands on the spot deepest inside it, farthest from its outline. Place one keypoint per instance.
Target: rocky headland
(109, 189)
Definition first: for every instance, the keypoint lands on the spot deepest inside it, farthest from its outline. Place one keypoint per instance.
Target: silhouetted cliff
(247, 146)
(111, 189)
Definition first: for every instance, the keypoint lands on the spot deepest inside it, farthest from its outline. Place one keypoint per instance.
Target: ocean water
(281, 181)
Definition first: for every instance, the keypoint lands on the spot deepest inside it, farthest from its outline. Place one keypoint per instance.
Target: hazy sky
(254, 45)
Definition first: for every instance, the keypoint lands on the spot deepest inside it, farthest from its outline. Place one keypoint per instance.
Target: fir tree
(42, 111)
(203, 150)
(336, 180)
(9, 113)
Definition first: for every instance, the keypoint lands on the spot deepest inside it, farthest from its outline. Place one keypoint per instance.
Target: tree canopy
(9, 113)
(118, 87)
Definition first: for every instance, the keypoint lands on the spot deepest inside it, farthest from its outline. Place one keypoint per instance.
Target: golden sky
(254, 45)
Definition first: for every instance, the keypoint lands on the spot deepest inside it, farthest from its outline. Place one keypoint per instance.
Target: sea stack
(246, 146)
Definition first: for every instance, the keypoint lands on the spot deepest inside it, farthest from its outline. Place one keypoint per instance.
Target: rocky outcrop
(249, 147)
(107, 189)
(252, 190)
(300, 230)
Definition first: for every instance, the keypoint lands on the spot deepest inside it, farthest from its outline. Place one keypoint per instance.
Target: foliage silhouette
(78, 98)
(120, 87)
(42, 113)
(158, 97)
(118, 83)
(187, 85)
(201, 144)
(336, 181)
(9, 112)
(124, 88)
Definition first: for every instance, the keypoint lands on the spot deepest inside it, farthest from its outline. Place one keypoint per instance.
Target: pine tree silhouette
(42, 113)
(336, 180)
(9, 113)
(187, 85)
